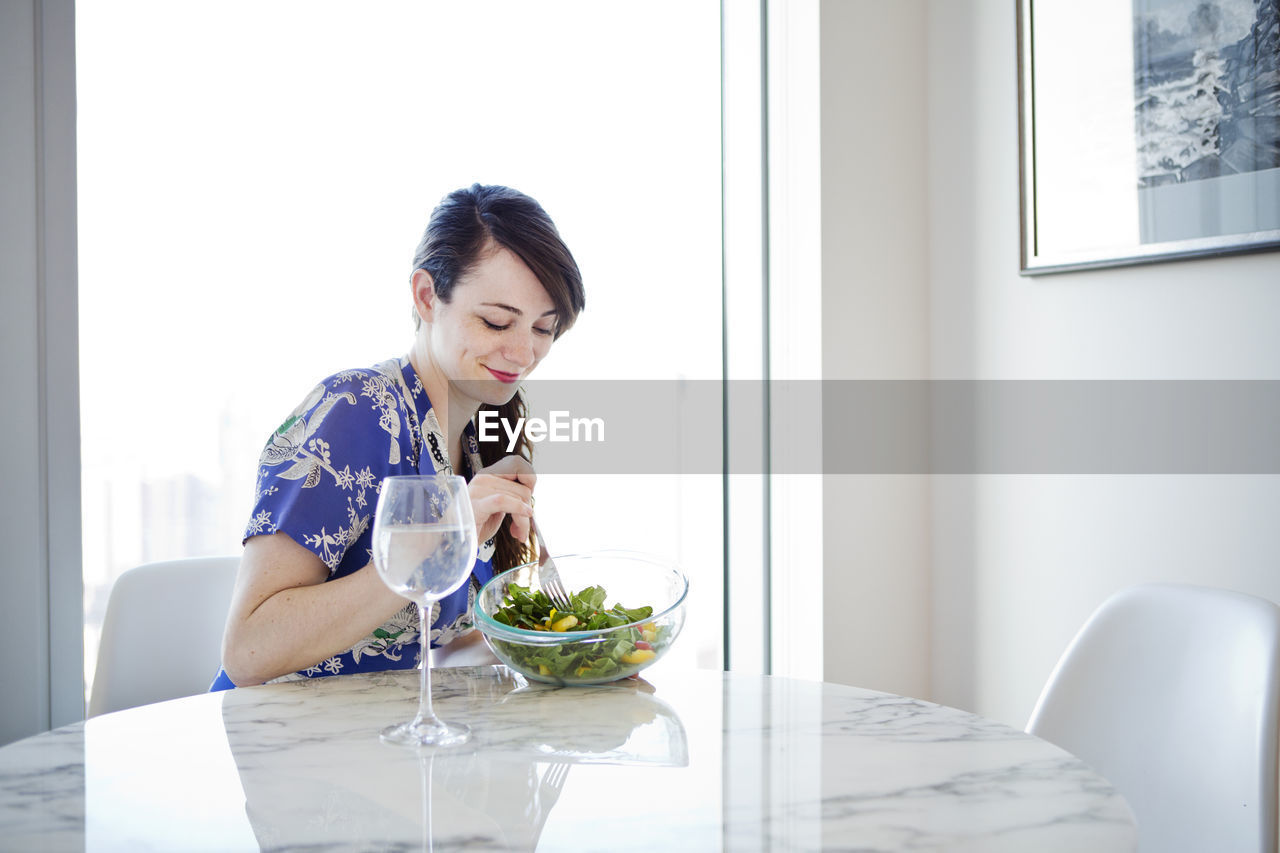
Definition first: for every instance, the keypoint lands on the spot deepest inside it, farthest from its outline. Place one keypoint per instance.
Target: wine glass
(424, 545)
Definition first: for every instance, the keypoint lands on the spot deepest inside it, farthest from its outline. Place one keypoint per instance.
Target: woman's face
(496, 328)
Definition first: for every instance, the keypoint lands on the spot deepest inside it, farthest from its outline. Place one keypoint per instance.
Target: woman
(493, 286)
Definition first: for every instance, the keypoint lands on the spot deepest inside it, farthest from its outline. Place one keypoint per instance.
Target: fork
(548, 575)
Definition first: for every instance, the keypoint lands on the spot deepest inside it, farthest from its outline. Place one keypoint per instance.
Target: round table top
(685, 760)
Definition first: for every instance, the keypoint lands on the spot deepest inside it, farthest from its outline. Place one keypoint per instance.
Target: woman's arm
(284, 617)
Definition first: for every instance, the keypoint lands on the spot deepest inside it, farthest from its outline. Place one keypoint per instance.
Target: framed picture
(1150, 130)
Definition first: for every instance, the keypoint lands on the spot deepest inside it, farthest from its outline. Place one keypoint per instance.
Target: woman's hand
(503, 489)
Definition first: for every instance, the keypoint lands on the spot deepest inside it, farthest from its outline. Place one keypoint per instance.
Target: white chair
(1172, 693)
(162, 633)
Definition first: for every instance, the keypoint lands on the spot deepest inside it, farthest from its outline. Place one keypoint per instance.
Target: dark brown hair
(463, 229)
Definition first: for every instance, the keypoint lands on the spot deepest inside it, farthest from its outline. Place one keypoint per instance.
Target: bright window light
(254, 177)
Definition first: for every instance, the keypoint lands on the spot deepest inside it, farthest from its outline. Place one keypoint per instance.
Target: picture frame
(1149, 130)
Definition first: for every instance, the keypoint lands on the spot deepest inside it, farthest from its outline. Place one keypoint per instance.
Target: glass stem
(425, 714)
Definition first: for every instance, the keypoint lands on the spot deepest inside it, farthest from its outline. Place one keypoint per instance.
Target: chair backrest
(162, 632)
(1172, 693)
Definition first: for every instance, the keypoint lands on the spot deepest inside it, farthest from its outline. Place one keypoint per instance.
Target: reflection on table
(693, 760)
(500, 786)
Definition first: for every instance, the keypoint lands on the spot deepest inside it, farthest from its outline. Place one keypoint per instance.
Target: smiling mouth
(502, 376)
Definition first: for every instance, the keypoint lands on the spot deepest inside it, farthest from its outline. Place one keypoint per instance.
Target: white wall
(966, 589)
(1019, 561)
(40, 610)
(875, 309)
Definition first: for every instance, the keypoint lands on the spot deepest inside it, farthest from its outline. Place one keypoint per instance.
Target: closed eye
(502, 328)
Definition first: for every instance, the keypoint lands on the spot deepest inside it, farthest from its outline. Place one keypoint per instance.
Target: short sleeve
(320, 472)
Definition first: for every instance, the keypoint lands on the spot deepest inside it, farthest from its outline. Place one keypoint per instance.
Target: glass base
(424, 733)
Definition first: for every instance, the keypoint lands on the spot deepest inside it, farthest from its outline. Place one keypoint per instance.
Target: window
(253, 179)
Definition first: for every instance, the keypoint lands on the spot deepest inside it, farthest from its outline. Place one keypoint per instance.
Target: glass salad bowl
(628, 609)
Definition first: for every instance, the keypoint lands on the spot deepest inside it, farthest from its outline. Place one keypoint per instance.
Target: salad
(593, 658)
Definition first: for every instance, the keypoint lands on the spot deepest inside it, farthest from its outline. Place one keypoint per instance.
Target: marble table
(685, 760)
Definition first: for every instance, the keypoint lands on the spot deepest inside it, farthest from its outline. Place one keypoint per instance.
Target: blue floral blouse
(318, 481)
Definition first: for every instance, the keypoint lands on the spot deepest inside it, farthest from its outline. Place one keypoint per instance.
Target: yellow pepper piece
(649, 636)
(638, 656)
(565, 624)
(542, 669)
